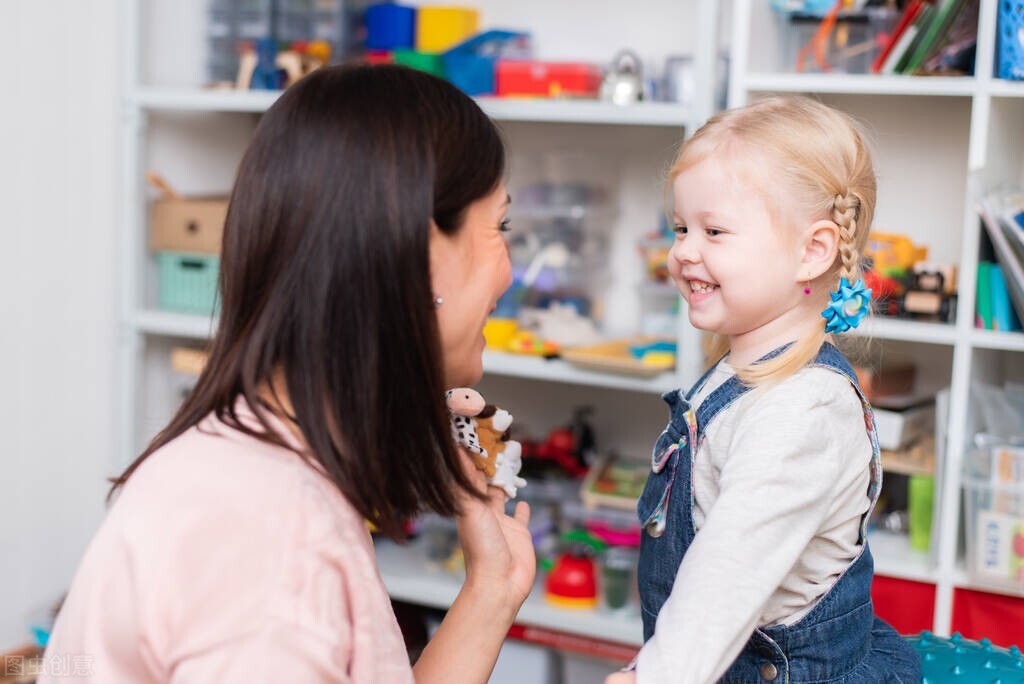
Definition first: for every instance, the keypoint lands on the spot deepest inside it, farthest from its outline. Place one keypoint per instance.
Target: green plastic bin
(188, 281)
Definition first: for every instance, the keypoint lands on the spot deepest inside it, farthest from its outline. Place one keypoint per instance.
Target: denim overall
(840, 639)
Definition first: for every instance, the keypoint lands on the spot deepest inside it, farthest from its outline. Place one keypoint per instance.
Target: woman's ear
(821, 246)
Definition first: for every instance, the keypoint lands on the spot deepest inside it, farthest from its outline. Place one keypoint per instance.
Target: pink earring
(807, 287)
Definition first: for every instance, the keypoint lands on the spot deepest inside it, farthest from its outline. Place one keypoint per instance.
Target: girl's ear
(821, 246)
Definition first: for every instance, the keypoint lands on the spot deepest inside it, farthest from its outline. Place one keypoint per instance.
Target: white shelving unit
(168, 119)
(977, 142)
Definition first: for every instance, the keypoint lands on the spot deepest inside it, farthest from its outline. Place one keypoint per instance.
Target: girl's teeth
(701, 287)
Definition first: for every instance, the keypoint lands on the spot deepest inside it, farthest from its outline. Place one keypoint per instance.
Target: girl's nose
(685, 251)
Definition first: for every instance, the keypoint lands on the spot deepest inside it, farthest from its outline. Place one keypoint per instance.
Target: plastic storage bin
(441, 28)
(995, 533)
(517, 78)
(1011, 39)
(390, 27)
(188, 281)
(471, 65)
(851, 47)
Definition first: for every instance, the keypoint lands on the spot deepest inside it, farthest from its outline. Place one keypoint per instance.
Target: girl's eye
(505, 225)
(680, 230)
(713, 232)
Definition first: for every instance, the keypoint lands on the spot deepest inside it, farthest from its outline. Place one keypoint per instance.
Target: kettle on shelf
(623, 84)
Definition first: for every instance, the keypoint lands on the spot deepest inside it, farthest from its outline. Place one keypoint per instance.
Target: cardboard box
(897, 429)
(188, 224)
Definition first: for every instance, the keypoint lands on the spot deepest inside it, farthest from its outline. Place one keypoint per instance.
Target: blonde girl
(754, 560)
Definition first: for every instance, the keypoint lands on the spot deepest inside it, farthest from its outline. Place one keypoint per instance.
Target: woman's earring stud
(438, 301)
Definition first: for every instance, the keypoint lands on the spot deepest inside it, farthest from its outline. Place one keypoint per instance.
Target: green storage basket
(188, 281)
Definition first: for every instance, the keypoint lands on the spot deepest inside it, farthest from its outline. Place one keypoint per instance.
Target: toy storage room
(610, 270)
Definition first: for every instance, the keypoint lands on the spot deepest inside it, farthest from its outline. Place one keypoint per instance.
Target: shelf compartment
(894, 558)
(862, 84)
(408, 578)
(503, 109)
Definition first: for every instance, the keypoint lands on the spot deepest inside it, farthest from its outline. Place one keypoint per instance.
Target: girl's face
(739, 273)
(470, 270)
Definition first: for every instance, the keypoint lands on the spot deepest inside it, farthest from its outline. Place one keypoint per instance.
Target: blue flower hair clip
(848, 307)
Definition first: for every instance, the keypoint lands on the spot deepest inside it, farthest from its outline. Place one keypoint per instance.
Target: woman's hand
(621, 678)
(498, 548)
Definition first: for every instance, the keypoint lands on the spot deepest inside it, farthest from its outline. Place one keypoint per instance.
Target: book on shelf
(936, 32)
(1004, 318)
(931, 36)
(900, 37)
(1003, 220)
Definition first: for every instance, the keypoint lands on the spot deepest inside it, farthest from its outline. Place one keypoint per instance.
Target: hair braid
(844, 213)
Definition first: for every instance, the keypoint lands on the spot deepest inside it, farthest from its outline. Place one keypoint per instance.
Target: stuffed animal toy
(483, 430)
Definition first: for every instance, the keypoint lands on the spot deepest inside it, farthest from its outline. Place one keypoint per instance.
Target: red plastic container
(521, 78)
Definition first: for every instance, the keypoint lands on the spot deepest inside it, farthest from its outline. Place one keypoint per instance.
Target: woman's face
(470, 270)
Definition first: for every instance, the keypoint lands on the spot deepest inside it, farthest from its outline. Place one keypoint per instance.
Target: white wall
(59, 151)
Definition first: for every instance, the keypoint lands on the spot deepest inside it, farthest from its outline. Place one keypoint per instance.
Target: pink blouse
(226, 559)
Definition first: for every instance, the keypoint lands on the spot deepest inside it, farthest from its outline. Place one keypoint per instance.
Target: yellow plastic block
(439, 28)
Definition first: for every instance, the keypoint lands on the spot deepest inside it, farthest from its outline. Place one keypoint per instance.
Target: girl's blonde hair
(819, 157)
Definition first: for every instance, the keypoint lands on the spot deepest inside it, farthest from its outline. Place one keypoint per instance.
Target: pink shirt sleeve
(229, 560)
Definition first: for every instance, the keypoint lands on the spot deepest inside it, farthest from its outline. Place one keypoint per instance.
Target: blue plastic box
(470, 66)
(390, 27)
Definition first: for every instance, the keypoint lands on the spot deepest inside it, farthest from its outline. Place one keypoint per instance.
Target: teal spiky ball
(964, 661)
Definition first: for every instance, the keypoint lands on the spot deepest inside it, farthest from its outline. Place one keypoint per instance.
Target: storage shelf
(557, 370)
(1002, 88)
(993, 339)
(408, 577)
(502, 109)
(863, 84)
(886, 328)
(894, 558)
(170, 324)
(963, 580)
(584, 111)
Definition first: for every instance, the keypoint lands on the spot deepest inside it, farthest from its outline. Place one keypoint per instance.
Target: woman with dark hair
(363, 252)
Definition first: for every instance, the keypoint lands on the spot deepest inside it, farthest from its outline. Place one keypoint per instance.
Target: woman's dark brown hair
(325, 279)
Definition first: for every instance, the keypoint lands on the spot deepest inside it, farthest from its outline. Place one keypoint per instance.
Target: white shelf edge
(862, 84)
(993, 339)
(1003, 88)
(557, 370)
(407, 577)
(585, 111)
(894, 558)
(200, 100)
(963, 580)
(197, 327)
(502, 109)
(170, 324)
(886, 328)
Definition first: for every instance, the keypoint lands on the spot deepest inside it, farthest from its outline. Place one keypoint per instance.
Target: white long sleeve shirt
(780, 485)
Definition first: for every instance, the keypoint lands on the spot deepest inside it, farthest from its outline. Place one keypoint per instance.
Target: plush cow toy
(482, 429)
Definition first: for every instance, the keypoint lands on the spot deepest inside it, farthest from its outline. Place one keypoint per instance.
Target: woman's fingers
(522, 513)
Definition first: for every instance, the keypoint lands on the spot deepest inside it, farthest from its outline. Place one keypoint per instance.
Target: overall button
(769, 672)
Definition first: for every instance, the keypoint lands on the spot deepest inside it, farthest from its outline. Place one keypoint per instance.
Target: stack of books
(931, 37)
(1000, 293)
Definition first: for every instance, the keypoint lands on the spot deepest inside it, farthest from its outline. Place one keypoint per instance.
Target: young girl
(754, 562)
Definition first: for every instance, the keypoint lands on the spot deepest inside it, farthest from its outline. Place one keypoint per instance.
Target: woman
(363, 251)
